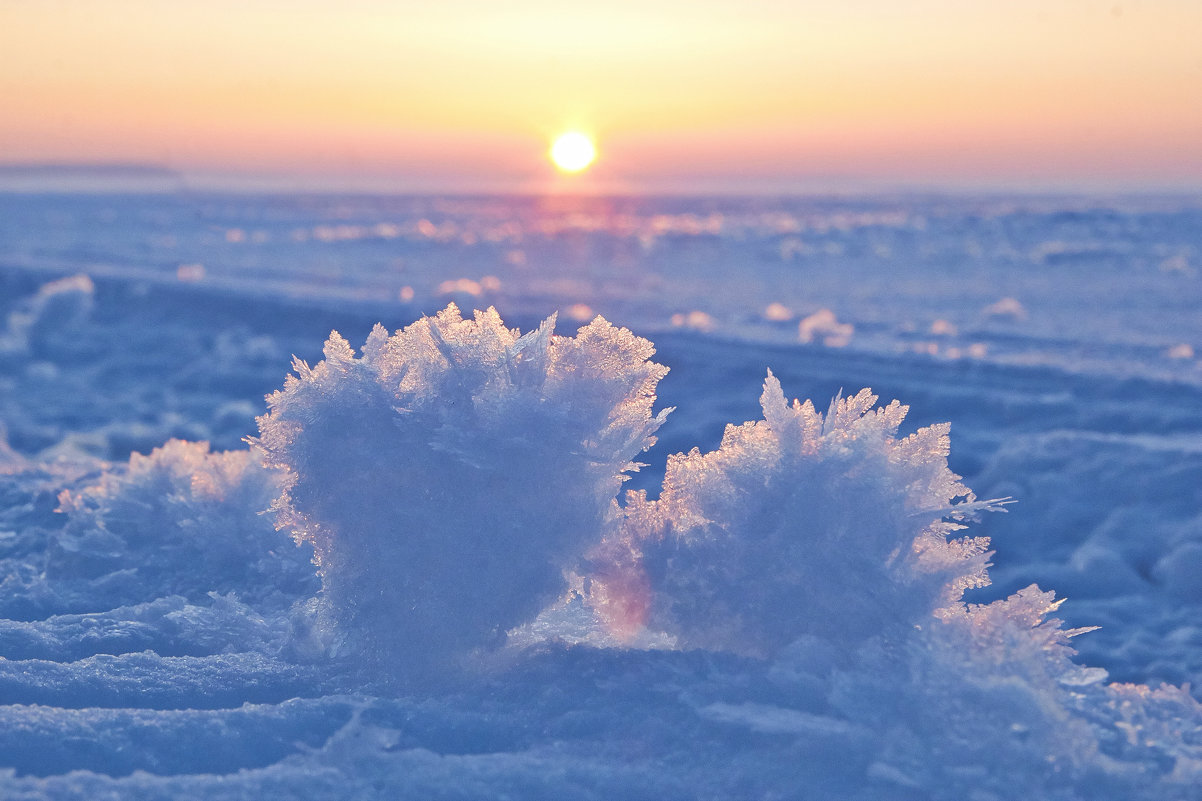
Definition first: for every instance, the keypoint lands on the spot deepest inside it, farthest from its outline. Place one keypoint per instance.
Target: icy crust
(613, 723)
(449, 476)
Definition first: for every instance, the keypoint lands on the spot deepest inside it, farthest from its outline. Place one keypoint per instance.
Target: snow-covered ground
(781, 618)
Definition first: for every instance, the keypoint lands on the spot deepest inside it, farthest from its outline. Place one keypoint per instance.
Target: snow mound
(823, 326)
(50, 320)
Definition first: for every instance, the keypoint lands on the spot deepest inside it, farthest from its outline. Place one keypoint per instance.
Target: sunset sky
(700, 94)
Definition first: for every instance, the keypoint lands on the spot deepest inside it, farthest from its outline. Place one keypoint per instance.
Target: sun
(573, 151)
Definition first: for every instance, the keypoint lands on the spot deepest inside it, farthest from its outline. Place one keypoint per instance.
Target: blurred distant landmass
(88, 178)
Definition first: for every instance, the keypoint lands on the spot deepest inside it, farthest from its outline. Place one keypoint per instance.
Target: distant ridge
(102, 177)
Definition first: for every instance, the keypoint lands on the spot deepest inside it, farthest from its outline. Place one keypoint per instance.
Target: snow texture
(797, 608)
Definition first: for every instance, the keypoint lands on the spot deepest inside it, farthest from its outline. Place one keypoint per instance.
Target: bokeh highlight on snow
(448, 559)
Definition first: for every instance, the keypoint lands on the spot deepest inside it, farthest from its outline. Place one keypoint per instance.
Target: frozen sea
(144, 654)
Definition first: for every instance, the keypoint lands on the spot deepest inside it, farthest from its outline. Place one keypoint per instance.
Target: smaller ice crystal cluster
(827, 545)
(801, 524)
(181, 521)
(449, 476)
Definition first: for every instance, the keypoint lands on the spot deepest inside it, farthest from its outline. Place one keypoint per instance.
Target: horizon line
(129, 177)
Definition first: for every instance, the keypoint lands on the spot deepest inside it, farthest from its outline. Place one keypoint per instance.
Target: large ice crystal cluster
(448, 476)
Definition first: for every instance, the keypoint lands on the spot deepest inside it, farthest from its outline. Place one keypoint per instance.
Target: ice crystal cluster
(801, 524)
(831, 547)
(448, 476)
(453, 475)
(181, 521)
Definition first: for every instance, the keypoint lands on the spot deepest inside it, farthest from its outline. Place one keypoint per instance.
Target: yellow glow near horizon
(573, 151)
(466, 89)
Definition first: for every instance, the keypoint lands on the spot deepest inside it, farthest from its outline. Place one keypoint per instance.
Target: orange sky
(463, 93)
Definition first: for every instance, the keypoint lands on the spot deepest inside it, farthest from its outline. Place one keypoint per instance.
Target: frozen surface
(792, 610)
